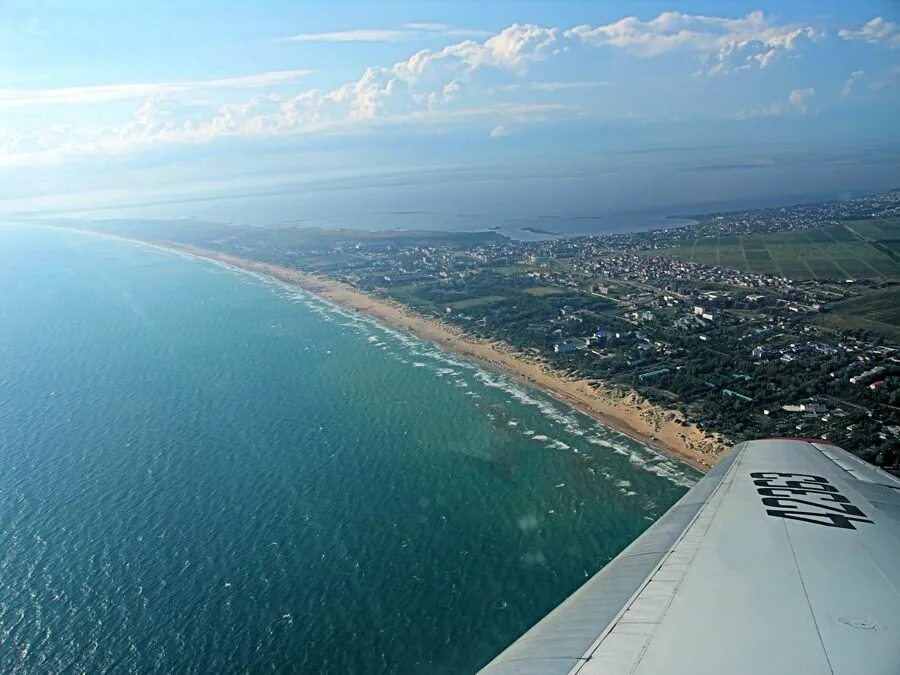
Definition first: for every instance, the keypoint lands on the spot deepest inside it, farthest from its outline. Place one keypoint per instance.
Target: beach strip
(626, 412)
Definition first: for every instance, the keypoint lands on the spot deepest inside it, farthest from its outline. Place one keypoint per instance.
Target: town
(740, 348)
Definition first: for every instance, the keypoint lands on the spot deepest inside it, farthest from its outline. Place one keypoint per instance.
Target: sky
(270, 111)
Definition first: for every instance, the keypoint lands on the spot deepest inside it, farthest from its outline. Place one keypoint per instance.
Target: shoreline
(647, 423)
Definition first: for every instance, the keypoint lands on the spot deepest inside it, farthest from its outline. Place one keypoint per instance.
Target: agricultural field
(546, 290)
(853, 250)
(877, 312)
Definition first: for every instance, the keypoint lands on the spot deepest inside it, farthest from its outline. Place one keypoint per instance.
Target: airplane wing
(785, 558)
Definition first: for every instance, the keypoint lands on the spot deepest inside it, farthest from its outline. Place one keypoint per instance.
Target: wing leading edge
(784, 558)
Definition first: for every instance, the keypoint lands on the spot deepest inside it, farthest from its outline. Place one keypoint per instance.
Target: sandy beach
(622, 410)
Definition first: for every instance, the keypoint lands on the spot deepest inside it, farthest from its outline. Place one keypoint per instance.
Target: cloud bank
(469, 79)
(724, 45)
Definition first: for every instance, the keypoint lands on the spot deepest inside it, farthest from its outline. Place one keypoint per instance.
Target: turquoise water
(206, 471)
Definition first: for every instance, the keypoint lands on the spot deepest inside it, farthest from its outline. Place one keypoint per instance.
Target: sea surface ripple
(204, 470)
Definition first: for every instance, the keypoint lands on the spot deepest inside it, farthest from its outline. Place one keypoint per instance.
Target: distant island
(537, 230)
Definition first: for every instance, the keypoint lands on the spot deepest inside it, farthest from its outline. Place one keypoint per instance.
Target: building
(862, 377)
(600, 338)
(734, 394)
(822, 347)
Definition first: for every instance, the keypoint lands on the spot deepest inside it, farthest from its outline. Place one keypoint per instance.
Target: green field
(476, 302)
(855, 250)
(546, 290)
(878, 312)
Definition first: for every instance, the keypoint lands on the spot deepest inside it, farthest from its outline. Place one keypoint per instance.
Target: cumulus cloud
(412, 90)
(437, 85)
(725, 44)
(499, 131)
(855, 77)
(798, 99)
(797, 103)
(876, 31)
(512, 48)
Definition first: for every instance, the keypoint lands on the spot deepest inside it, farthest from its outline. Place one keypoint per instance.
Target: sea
(204, 470)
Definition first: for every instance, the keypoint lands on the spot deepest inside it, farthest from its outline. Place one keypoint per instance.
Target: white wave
(643, 456)
(558, 445)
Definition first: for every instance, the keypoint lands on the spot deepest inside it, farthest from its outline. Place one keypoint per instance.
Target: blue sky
(511, 107)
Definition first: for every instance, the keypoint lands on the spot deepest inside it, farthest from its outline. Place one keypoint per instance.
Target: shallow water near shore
(205, 470)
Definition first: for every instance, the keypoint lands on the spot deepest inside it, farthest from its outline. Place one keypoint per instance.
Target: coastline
(627, 413)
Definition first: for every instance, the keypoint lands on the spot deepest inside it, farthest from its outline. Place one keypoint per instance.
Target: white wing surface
(785, 558)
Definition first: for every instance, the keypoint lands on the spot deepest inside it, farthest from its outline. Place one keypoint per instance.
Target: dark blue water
(205, 471)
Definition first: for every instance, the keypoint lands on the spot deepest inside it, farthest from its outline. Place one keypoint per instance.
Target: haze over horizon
(459, 111)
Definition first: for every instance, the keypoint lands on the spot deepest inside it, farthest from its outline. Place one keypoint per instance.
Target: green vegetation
(545, 290)
(514, 309)
(476, 302)
(785, 346)
(877, 312)
(854, 250)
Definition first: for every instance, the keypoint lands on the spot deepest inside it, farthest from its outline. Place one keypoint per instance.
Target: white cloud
(855, 76)
(518, 44)
(885, 80)
(875, 31)
(499, 131)
(512, 48)
(447, 29)
(409, 31)
(798, 99)
(797, 103)
(552, 85)
(439, 85)
(357, 35)
(16, 98)
(428, 26)
(450, 90)
(726, 44)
